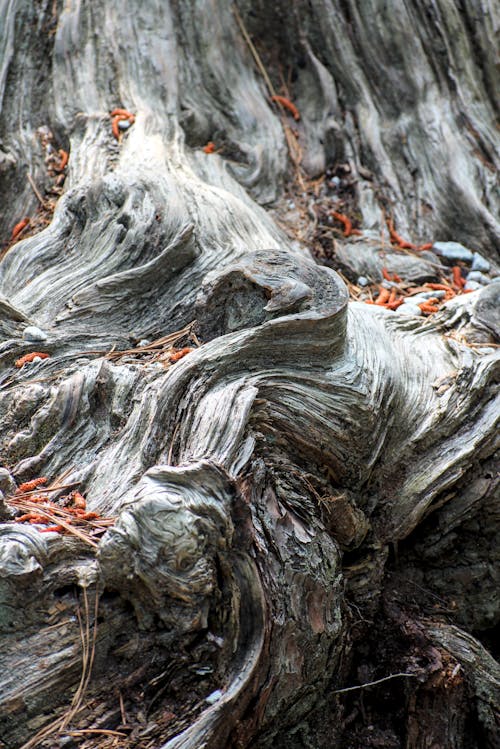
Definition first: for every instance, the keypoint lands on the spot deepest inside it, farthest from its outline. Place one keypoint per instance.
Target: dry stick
(122, 709)
(291, 143)
(56, 513)
(41, 735)
(55, 516)
(85, 638)
(371, 683)
(88, 654)
(62, 721)
(254, 52)
(103, 731)
(45, 489)
(57, 481)
(149, 349)
(36, 191)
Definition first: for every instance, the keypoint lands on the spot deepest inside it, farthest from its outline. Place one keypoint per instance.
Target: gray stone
(480, 263)
(362, 281)
(423, 296)
(477, 276)
(472, 286)
(409, 309)
(487, 309)
(362, 258)
(32, 333)
(213, 697)
(453, 251)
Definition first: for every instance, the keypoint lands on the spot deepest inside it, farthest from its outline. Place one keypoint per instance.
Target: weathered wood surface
(260, 482)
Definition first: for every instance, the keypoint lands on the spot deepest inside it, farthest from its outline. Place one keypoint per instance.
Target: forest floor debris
(68, 515)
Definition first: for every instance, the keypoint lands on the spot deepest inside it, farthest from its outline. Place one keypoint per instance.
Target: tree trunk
(302, 485)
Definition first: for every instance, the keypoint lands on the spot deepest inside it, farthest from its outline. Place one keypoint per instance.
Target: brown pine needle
(88, 653)
(254, 52)
(102, 731)
(371, 683)
(294, 148)
(61, 516)
(36, 191)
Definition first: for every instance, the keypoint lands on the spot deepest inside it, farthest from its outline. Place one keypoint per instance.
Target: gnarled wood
(267, 483)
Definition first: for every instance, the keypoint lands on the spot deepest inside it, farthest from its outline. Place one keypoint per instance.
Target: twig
(59, 724)
(55, 515)
(254, 52)
(371, 683)
(122, 709)
(103, 731)
(36, 191)
(45, 489)
(151, 348)
(293, 147)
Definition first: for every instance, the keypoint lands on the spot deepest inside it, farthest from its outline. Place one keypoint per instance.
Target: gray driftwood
(266, 484)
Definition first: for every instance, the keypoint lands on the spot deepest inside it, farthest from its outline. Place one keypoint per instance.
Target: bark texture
(308, 497)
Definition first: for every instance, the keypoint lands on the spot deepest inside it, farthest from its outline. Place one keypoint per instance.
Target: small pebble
(409, 309)
(453, 251)
(480, 263)
(143, 342)
(362, 281)
(389, 284)
(423, 296)
(335, 182)
(476, 275)
(32, 333)
(473, 286)
(124, 124)
(291, 205)
(214, 697)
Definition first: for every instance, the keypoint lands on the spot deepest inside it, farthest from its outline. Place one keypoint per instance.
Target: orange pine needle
(52, 529)
(397, 239)
(383, 296)
(428, 308)
(78, 501)
(19, 227)
(114, 126)
(29, 358)
(179, 354)
(394, 305)
(287, 104)
(438, 286)
(122, 113)
(458, 279)
(64, 156)
(30, 486)
(395, 278)
(346, 222)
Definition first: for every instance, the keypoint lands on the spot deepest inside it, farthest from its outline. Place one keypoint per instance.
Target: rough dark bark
(307, 499)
